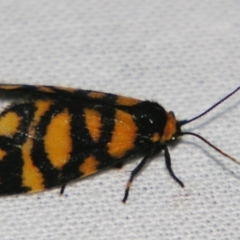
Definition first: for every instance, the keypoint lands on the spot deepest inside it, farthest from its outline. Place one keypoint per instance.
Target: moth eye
(172, 113)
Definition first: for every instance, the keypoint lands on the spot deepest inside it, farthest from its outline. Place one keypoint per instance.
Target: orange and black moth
(53, 135)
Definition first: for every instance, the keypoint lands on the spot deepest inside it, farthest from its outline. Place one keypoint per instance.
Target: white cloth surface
(183, 54)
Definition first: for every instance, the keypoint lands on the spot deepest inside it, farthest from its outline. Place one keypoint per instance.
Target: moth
(54, 135)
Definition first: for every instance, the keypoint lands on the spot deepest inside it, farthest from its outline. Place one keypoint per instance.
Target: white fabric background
(183, 54)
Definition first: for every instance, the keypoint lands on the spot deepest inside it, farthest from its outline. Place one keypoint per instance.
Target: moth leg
(136, 171)
(118, 165)
(169, 168)
(62, 189)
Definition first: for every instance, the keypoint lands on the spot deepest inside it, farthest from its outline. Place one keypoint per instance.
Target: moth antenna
(210, 109)
(181, 123)
(211, 145)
